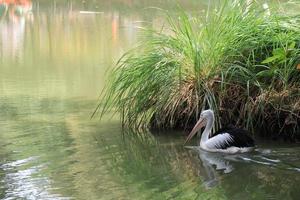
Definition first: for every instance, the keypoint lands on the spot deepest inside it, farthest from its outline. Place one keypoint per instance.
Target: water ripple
(26, 183)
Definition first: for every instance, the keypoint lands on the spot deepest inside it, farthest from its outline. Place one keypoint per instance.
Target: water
(53, 58)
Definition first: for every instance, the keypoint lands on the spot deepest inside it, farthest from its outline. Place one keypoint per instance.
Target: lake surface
(53, 59)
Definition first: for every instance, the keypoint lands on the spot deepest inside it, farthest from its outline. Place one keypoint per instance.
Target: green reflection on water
(59, 152)
(53, 60)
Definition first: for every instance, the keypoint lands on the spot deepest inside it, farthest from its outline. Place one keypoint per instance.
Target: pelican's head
(204, 117)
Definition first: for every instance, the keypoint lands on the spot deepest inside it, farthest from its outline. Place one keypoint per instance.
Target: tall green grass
(238, 59)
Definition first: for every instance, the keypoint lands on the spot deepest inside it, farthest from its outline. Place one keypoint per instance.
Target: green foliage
(231, 60)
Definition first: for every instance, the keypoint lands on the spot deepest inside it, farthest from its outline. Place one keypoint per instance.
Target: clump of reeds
(239, 59)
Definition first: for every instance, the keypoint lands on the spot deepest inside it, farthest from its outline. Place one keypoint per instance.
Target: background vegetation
(239, 59)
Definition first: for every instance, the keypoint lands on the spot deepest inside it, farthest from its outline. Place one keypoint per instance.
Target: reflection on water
(213, 163)
(13, 15)
(53, 58)
(53, 150)
(23, 183)
(55, 50)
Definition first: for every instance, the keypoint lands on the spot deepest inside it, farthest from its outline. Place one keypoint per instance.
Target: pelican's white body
(214, 144)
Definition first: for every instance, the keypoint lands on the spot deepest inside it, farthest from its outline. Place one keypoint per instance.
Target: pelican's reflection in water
(212, 163)
(215, 163)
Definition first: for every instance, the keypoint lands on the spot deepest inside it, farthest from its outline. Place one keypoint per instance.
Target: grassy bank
(241, 60)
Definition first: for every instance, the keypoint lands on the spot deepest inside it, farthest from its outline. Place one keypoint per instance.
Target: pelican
(226, 140)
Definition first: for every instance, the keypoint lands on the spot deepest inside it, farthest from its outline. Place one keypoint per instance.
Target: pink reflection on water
(12, 26)
(115, 27)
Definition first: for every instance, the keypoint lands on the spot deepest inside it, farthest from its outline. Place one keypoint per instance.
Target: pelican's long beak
(200, 123)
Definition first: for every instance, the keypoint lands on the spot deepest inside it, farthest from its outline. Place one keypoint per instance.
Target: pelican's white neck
(209, 116)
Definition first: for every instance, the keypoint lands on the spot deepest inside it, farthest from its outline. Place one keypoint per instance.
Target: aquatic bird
(226, 140)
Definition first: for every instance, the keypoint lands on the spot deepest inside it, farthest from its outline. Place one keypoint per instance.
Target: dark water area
(53, 61)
